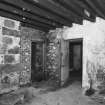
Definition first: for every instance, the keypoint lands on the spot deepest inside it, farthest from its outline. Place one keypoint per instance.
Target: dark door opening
(75, 59)
(36, 61)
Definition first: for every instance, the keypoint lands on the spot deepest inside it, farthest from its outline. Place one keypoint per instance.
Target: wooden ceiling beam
(70, 5)
(27, 14)
(39, 23)
(25, 24)
(45, 20)
(34, 9)
(91, 3)
(22, 14)
(82, 4)
(36, 16)
(100, 5)
(55, 15)
(57, 9)
(77, 12)
(19, 18)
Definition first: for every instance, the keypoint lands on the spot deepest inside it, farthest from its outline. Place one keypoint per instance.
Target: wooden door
(37, 61)
(64, 61)
(75, 59)
(75, 56)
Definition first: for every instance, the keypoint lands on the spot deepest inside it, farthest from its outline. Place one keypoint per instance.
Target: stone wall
(53, 57)
(15, 53)
(93, 35)
(9, 53)
(27, 36)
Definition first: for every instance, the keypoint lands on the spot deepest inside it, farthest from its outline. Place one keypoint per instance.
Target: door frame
(78, 41)
(38, 41)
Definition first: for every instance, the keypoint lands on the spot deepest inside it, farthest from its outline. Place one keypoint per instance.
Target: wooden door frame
(78, 41)
(38, 41)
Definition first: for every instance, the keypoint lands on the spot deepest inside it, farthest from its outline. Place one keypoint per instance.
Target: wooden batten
(70, 5)
(52, 14)
(95, 9)
(19, 18)
(37, 10)
(15, 10)
(26, 24)
(59, 10)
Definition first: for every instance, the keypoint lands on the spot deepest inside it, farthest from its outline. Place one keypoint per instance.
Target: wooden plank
(95, 9)
(70, 5)
(20, 13)
(101, 5)
(40, 24)
(64, 61)
(37, 10)
(83, 5)
(33, 15)
(8, 7)
(58, 10)
(25, 24)
(48, 10)
(19, 18)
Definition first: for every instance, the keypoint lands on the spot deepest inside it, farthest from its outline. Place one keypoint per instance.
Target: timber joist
(21, 19)
(51, 14)
(36, 10)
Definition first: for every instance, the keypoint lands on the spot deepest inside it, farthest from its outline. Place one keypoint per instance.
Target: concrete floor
(71, 95)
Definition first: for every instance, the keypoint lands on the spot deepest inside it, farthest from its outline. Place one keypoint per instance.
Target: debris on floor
(71, 95)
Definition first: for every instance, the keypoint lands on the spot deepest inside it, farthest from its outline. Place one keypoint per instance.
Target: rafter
(22, 6)
(84, 5)
(52, 7)
(27, 14)
(91, 3)
(70, 5)
(25, 24)
(100, 5)
(19, 18)
(34, 9)
(51, 14)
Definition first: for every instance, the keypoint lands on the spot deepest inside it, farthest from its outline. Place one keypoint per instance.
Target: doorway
(37, 61)
(75, 59)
